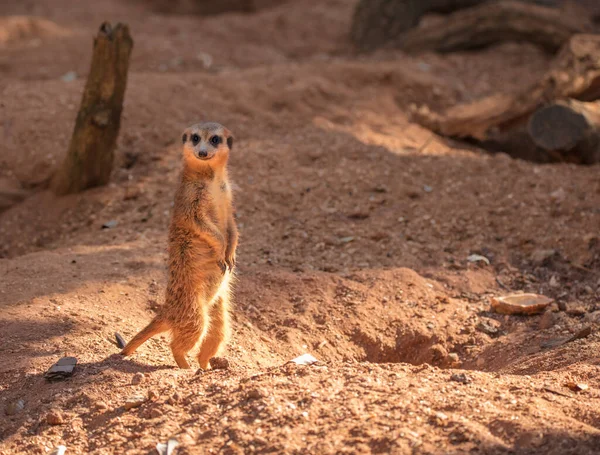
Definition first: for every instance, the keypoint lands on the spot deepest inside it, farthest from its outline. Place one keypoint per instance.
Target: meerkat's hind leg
(154, 328)
(218, 330)
(183, 341)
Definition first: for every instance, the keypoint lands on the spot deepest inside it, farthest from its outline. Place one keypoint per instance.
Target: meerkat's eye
(195, 139)
(215, 140)
(184, 138)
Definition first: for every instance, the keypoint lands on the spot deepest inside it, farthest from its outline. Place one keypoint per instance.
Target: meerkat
(202, 246)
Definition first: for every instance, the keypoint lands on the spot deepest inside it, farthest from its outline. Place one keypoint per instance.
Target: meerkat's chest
(220, 196)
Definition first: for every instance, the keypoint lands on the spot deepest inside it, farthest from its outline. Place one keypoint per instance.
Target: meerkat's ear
(230, 142)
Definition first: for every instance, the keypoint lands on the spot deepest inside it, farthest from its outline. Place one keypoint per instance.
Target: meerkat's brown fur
(202, 245)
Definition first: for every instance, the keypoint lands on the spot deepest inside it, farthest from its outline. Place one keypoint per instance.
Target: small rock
(575, 309)
(69, 77)
(488, 326)
(427, 188)
(155, 413)
(577, 387)
(100, 405)
(61, 369)
(120, 340)
(174, 399)
(15, 407)
(304, 359)
(134, 401)
(54, 417)
(478, 258)
(110, 224)
(168, 448)
(219, 363)
(453, 358)
(60, 450)
(152, 395)
(520, 304)
(255, 394)
(547, 320)
(463, 378)
(438, 353)
(138, 378)
(540, 256)
(558, 195)
(593, 317)
(554, 282)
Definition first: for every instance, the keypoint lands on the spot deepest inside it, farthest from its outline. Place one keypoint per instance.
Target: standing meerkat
(202, 243)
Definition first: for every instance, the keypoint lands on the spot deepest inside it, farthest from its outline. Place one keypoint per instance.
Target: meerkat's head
(206, 144)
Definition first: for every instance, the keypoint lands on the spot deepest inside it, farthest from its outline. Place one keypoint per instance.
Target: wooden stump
(574, 73)
(569, 128)
(517, 123)
(91, 152)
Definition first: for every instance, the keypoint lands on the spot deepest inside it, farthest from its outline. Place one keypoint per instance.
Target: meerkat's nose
(202, 153)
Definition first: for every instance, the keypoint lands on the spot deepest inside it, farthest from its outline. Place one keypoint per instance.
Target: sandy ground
(355, 228)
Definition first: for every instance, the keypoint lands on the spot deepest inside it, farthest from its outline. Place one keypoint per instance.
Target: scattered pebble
(540, 256)
(60, 450)
(168, 448)
(61, 369)
(69, 77)
(548, 320)
(219, 363)
(490, 327)
(520, 303)
(575, 309)
(120, 340)
(15, 407)
(304, 359)
(110, 224)
(138, 378)
(100, 405)
(463, 378)
(478, 258)
(54, 417)
(453, 358)
(255, 394)
(155, 413)
(134, 401)
(577, 387)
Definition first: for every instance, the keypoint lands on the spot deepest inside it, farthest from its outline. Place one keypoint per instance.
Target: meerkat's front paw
(223, 266)
(230, 261)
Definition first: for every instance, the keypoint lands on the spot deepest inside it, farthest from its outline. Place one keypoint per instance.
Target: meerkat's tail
(154, 328)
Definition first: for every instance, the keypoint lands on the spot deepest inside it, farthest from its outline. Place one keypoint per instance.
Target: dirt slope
(356, 226)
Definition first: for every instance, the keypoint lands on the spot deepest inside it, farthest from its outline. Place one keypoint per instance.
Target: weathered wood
(383, 22)
(575, 73)
(490, 23)
(91, 152)
(569, 128)
(212, 7)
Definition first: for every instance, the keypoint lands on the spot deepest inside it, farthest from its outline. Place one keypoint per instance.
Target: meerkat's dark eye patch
(195, 139)
(184, 138)
(230, 142)
(215, 140)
